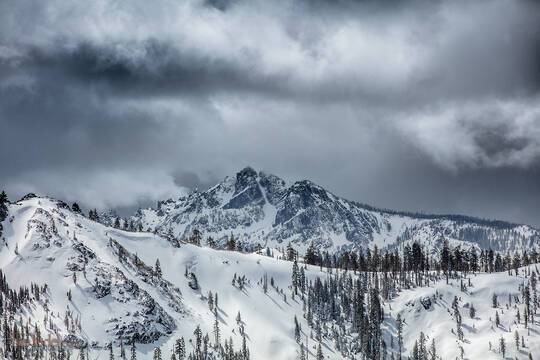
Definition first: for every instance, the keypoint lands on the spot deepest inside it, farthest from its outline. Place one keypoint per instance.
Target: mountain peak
(261, 208)
(247, 171)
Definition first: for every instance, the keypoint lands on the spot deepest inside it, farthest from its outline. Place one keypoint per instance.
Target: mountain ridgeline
(260, 208)
(67, 279)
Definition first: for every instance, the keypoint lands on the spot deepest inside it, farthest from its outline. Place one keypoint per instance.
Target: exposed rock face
(426, 302)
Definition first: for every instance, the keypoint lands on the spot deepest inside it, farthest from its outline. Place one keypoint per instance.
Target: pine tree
(422, 349)
(76, 209)
(290, 253)
(238, 318)
(93, 215)
(122, 350)
(170, 234)
(311, 255)
(3, 200)
(198, 339)
(415, 354)
(231, 243)
(320, 355)
(433, 350)
(399, 327)
(158, 269)
(472, 311)
(302, 352)
(527, 301)
(502, 347)
(297, 330)
(111, 353)
(3, 208)
(265, 283)
(157, 354)
(210, 301)
(445, 259)
(216, 330)
(180, 348)
(295, 277)
(133, 351)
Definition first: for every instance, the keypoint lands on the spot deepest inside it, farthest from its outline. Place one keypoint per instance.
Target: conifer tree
(198, 339)
(157, 353)
(415, 354)
(216, 330)
(238, 318)
(297, 330)
(295, 276)
(210, 301)
(433, 350)
(399, 327)
(320, 355)
(457, 316)
(3, 208)
(231, 243)
(180, 348)
(445, 259)
(302, 352)
(76, 209)
(422, 349)
(502, 347)
(158, 269)
(122, 350)
(133, 351)
(245, 350)
(472, 311)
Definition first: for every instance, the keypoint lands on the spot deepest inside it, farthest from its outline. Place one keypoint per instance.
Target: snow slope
(115, 299)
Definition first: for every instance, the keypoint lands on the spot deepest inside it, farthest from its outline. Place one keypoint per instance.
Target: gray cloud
(415, 105)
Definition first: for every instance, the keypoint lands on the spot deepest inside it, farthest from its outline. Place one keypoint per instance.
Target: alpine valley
(258, 268)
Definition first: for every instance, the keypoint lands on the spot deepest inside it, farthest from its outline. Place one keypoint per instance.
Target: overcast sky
(416, 105)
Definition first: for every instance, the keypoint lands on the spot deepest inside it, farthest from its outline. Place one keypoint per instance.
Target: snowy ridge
(259, 208)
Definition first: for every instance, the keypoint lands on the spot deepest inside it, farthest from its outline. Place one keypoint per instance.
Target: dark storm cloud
(422, 105)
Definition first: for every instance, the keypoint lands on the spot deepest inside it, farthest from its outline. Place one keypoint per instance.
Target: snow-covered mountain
(94, 284)
(260, 208)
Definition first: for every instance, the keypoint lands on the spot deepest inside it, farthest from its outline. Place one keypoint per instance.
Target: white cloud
(491, 133)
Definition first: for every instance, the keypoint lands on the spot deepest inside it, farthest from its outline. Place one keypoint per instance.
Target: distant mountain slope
(262, 208)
